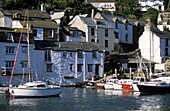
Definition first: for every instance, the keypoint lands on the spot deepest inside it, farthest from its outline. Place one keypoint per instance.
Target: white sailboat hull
(35, 91)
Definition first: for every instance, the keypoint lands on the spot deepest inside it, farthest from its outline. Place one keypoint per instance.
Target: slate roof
(93, 21)
(67, 46)
(42, 24)
(32, 13)
(161, 34)
(133, 22)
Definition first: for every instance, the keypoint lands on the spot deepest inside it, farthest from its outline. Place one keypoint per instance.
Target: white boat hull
(35, 91)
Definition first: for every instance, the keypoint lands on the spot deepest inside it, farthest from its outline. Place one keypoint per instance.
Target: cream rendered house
(95, 30)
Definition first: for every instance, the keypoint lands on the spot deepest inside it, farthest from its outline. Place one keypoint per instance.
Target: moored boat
(154, 88)
(35, 89)
(99, 85)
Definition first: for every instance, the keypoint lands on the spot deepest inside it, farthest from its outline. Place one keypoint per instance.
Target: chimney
(148, 25)
(43, 7)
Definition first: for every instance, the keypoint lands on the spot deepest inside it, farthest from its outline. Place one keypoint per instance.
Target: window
(79, 67)
(49, 67)
(34, 32)
(24, 63)
(9, 64)
(10, 50)
(116, 35)
(94, 54)
(126, 26)
(9, 37)
(71, 67)
(126, 37)
(71, 55)
(24, 49)
(166, 40)
(64, 54)
(92, 40)
(50, 33)
(106, 43)
(80, 54)
(24, 37)
(90, 67)
(116, 25)
(166, 51)
(48, 55)
(106, 32)
(92, 31)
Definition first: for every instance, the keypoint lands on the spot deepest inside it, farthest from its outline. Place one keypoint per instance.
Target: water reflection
(114, 92)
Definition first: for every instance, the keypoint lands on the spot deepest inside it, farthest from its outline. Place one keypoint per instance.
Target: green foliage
(109, 73)
(77, 6)
(151, 14)
(128, 9)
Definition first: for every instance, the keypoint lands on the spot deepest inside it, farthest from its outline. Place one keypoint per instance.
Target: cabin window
(79, 67)
(92, 31)
(49, 67)
(90, 67)
(10, 50)
(48, 55)
(24, 49)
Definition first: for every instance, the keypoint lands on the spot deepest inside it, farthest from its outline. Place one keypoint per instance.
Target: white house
(163, 21)
(103, 4)
(93, 30)
(69, 62)
(146, 4)
(154, 44)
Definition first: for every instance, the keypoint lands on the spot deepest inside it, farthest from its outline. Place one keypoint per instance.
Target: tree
(151, 14)
(128, 9)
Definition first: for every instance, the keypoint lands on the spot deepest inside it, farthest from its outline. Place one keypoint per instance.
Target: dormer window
(50, 33)
(94, 54)
(80, 54)
(9, 37)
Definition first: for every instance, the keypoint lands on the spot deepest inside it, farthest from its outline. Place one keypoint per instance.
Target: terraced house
(43, 63)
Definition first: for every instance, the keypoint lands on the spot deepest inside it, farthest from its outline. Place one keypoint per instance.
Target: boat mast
(150, 65)
(29, 67)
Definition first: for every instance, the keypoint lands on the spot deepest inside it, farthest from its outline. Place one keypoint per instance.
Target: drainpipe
(84, 66)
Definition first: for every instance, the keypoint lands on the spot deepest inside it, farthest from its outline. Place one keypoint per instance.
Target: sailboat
(156, 87)
(33, 88)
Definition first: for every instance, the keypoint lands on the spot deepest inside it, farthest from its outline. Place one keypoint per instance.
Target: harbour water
(87, 99)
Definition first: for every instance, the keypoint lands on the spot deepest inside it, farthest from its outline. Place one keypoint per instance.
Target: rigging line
(16, 55)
